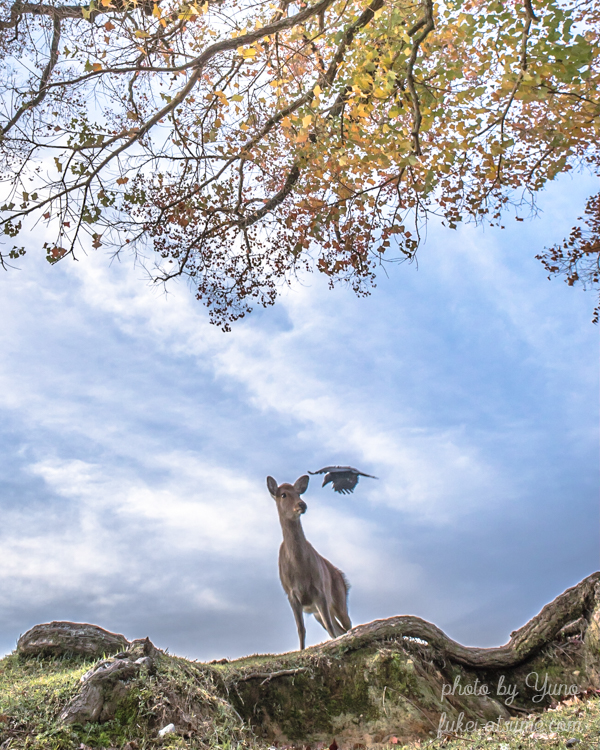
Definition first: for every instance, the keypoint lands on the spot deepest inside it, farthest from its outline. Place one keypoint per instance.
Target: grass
(574, 719)
(33, 691)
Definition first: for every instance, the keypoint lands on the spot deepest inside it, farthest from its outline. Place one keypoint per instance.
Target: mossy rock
(70, 639)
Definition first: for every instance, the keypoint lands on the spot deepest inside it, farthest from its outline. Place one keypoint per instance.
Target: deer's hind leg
(319, 620)
(334, 623)
(342, 621)
(325, 617)
(341, 615)
(340, 604)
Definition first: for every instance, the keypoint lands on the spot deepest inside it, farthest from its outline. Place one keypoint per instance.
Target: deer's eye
(283, 494)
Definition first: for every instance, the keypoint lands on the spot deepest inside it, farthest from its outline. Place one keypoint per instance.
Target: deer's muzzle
(301, 507)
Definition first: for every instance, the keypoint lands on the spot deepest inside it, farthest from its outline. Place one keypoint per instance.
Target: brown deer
(311, 582)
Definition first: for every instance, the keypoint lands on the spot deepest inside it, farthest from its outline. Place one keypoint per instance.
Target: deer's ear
(301, 484)
(272, 485)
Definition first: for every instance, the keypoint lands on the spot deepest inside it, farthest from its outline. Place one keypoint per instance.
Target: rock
(166, 730)
(105, 685)
(58, 638)
(145, 661)
(143, 647)
(572, 742)
(577, 627)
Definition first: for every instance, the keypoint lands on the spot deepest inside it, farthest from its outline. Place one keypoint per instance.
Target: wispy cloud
(136, 439)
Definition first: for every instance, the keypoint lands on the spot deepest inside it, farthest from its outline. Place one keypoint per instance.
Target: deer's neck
(293, 536)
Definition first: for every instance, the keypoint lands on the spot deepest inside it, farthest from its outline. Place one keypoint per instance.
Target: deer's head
(287, 496)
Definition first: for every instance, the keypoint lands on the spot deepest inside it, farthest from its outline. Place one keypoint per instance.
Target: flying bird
(343, 478)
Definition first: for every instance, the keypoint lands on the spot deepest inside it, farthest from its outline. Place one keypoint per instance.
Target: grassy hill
(33, 691)
(399, 682)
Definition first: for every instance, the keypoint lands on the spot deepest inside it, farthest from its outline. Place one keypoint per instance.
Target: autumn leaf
(285, 140)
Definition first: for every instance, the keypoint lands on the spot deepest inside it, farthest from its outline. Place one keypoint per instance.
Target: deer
(312, 584)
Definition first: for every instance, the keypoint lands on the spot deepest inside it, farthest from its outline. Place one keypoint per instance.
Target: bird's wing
(349, 470)
(332, 469)
(338, 471)
(352, 470)
(344, 483)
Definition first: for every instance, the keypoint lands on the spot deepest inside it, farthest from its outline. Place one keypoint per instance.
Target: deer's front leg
(299, 615)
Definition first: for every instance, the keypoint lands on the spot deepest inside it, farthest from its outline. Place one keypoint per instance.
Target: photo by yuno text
(541, 687)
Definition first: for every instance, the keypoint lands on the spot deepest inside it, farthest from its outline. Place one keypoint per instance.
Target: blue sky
(136, 438)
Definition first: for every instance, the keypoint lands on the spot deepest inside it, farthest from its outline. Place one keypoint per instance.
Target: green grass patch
(201, 701)
(34, 691)
(573, 719)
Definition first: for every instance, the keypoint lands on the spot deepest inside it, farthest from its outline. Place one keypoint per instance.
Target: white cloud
(200, 513)
(431, 473)
(196, 507)
(147, 432)
(362, 550)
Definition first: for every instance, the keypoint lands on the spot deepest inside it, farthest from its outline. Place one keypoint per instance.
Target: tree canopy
(239, 142)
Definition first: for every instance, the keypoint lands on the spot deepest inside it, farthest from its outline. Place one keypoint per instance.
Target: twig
(268, 676)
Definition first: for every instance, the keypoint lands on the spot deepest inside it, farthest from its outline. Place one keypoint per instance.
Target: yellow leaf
(96, 67)
(246, 52)
(141, 34)
(317, 90)
(306, 121)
